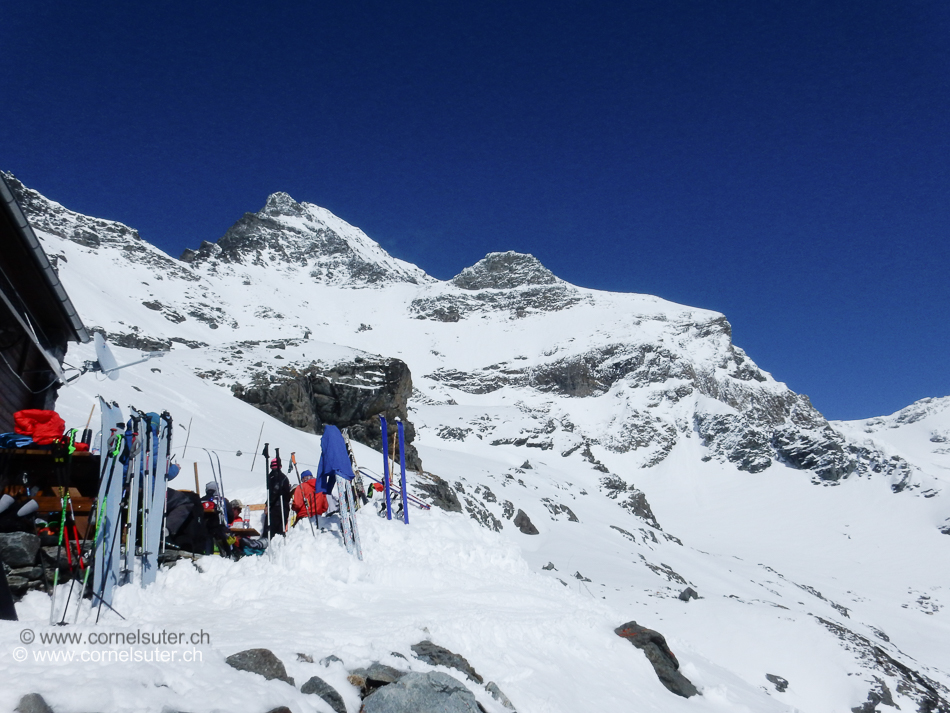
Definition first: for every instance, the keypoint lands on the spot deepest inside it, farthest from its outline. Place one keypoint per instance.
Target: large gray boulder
(260, 661)
(19, 549)
(33, 703)
(432, 692)
(658, 653)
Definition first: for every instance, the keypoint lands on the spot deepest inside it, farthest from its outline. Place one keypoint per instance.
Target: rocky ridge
(290, 233)
(670, 373)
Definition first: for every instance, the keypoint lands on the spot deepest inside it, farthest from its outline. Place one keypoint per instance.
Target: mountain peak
(309, 237)
(281, 203)
(504, 271)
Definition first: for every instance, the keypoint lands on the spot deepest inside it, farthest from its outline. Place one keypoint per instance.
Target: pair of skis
(387, 488)
(349, 505)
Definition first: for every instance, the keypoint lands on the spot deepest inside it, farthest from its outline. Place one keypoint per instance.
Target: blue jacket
(334, 460)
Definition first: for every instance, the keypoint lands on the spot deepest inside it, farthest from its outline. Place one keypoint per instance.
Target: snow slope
(531, 394)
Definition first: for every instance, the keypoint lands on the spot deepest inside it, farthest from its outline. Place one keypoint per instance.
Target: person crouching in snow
(307, 501)
(237, 518)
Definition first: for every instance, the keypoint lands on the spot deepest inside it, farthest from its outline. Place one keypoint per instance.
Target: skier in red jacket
(307, 502)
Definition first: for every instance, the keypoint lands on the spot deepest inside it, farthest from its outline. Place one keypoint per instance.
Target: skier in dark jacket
(185, 523)
(278, 492)
(217, 517)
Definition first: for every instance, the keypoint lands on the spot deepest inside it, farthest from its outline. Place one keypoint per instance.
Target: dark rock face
(823, 452)
(781, 685)
(630, 498)
(439, 656)
(657, 651)
(753, 444)
(327, 692)
(481, 514)
(438, 492)
(504, 271)
(19, 549)
(523, 523)
(347, 395)
(420, 692)
(260, 661)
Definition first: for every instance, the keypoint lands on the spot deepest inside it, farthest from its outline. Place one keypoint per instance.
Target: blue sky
(787, 164)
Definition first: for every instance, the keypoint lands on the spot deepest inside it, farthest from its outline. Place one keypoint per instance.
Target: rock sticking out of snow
(780, 683)
(33, 703)
(260, 661)
(523, 523)
(496, 693)
(688, 593)
(439, 656)
(654, 646)
(327, 692)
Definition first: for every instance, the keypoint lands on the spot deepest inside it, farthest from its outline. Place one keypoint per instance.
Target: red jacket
(307, 501)
(43, 426)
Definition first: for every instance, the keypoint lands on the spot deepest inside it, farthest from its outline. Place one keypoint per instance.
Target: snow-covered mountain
(648, 452)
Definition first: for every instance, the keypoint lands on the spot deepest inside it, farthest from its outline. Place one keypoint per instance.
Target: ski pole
(100, 509)
(86, 433)
(59, 550)
(402, 471)
(311, 507)
(389, 506)
(254, 459)
(187, 438)
(267, 517)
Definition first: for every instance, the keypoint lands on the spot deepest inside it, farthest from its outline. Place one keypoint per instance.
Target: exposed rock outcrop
(654, 646)
(504, 271)
(347, 395)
